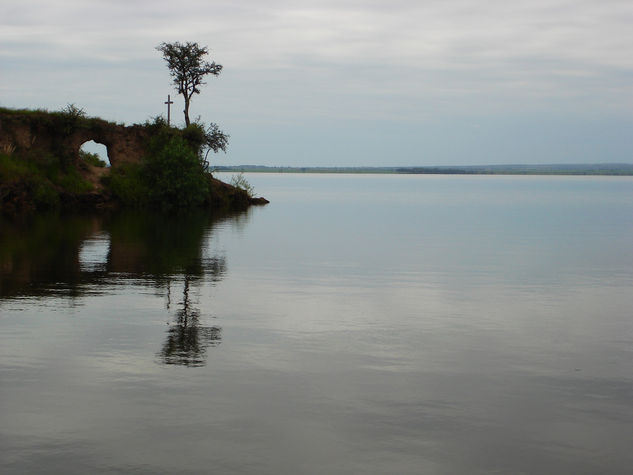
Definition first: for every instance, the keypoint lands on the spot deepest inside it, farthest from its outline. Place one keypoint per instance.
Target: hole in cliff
(94, 153)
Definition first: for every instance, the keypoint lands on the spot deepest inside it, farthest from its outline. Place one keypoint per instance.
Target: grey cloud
(288, 61)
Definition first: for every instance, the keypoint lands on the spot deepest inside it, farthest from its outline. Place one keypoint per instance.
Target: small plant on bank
(239, 181)
(74, 112)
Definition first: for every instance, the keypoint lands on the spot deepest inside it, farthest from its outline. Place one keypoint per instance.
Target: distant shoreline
(608, 169)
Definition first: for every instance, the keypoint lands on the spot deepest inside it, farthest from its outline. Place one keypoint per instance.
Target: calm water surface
(357, 324)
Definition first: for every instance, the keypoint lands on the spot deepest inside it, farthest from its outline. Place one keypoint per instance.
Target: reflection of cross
(169, 103)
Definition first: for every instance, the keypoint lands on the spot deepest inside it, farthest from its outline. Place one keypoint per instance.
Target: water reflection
(157, 247)
(41, 255)
(187, 340)
(73, 257)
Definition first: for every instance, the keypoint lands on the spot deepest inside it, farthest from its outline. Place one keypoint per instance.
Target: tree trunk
(186, 111)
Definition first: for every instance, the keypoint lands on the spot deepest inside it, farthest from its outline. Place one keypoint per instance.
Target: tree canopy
(188, 68)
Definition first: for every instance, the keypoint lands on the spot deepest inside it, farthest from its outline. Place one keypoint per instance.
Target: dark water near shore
(357, 324)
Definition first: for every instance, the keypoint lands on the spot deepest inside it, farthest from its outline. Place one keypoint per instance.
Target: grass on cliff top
(69, 116)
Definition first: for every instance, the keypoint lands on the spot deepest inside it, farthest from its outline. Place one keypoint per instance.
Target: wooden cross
(169, 103)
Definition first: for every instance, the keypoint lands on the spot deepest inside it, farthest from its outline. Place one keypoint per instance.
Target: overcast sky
(346, 82)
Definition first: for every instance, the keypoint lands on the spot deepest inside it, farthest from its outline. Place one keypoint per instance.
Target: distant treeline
(555, 169)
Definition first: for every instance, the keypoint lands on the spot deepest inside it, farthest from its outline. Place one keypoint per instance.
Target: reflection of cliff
(159, 246)
(42, 257)
(187, 341)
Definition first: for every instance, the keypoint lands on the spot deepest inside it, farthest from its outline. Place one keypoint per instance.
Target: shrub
(28, 175)
(74, 112)
(45, 196)
(127, 185)
(12, 168)
(239, 181)
(156, 124)
(173, 173)
(72, 182)
(195, 135)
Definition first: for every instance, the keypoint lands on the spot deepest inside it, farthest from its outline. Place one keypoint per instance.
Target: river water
(357, 324)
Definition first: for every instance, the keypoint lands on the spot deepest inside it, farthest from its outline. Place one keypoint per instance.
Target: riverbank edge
(18, 197)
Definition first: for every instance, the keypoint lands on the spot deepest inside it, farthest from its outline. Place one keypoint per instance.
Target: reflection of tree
(157, 246)
(43, 258)
(187, 341)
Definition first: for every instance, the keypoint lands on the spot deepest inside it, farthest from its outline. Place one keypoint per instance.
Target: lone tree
(188, 69)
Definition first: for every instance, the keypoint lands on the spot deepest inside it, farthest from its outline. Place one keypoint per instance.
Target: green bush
(170, 177)
(28, 175)
(127, 184)
(195, 135)
(12, 168)
(173, 173)
(72, 182)
(156, 124)
(63, 177)
(45, 196)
